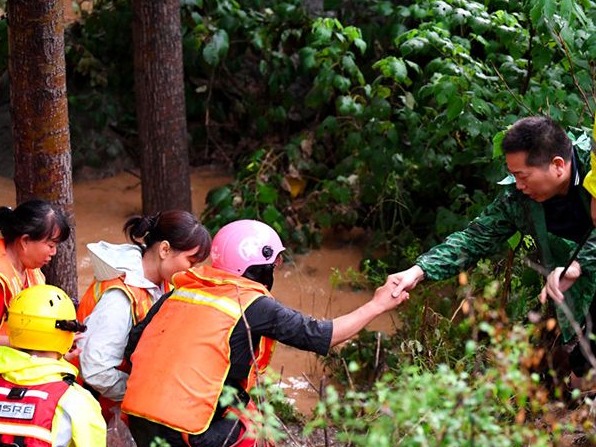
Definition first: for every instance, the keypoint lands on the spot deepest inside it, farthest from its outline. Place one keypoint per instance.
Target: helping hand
(555, 285)
(385, 299)
(405, 280)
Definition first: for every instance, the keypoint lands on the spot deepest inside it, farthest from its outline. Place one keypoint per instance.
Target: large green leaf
(455, 107)
(346, 105)
(217, 48)
(219, 196)
(393, 67)
(498, 144)
(266, 193)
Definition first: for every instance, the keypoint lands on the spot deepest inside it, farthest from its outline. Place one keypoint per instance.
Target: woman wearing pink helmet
(218, 328)
(248, 248)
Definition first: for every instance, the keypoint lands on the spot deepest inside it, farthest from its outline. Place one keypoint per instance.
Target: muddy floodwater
(102, 206)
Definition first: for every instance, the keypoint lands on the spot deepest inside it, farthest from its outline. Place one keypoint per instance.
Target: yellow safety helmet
(590, 180)
(42, 318)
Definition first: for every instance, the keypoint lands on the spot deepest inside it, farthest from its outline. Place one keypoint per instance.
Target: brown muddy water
(102, 206)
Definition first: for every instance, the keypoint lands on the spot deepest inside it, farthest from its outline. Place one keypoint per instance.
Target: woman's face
(177, 261)
(36, 254)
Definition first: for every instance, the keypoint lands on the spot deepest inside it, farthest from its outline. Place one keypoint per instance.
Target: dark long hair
(180, 228)
(36, 218)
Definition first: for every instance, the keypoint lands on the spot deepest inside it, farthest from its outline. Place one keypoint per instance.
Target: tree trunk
(39, 110)
(161, 113)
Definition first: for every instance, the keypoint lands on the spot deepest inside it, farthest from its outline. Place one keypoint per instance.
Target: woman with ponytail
(128, 279)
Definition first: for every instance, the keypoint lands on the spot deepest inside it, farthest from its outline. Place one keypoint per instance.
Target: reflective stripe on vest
(222, 303)
(180, 364)
(27, 431)
(29, 411)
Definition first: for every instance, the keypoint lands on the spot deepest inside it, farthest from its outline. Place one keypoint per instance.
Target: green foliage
(372, 273)
(254, 195)
(352, 278)
(99, 49)
(408, 99)
(362, 361)
(217, 48)
(238, 72)
(444, 407)
(428, 334)
(485, 389)
(159, 442)
(379, 114)
(273, 408)
(437, 322)
(416, 406)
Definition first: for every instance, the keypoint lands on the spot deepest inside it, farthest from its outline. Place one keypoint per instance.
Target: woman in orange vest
(218, 328)
(129, 278)
(30, 235)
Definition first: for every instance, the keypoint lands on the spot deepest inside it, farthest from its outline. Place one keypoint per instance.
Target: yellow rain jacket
(77, 420)
(590, 180)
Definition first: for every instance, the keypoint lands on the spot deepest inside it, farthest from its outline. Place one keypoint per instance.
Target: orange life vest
(140, 300)
(140, 303)
(183, 357)
(10, 283)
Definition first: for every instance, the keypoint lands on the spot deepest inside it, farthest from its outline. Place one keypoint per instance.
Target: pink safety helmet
(243, 243)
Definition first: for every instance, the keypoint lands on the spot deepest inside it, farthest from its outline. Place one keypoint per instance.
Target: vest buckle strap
(17, 393)
(19, 441)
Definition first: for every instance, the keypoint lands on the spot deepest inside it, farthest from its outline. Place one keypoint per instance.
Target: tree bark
(161, 112)
(39, 109)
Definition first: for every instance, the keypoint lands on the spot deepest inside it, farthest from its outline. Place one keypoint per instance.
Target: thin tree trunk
(161, 112)
(39, 110)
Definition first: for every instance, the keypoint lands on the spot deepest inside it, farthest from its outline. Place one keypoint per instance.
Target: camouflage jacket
(509, 213)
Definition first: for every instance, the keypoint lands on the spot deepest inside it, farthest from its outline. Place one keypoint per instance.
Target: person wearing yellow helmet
(39, 402)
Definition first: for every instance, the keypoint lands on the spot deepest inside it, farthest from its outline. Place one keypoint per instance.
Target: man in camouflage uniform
(545, 199)
(555, 284)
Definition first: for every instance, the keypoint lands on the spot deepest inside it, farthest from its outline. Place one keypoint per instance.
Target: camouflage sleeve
(587, 256)
(483, 236)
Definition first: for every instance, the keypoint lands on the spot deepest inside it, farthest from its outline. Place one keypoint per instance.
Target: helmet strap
(262, 274)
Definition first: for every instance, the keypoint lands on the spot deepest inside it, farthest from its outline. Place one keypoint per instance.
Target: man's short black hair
(540, 137)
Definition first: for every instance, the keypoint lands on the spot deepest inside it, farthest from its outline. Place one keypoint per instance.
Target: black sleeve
(269, 318)
(135, 333)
